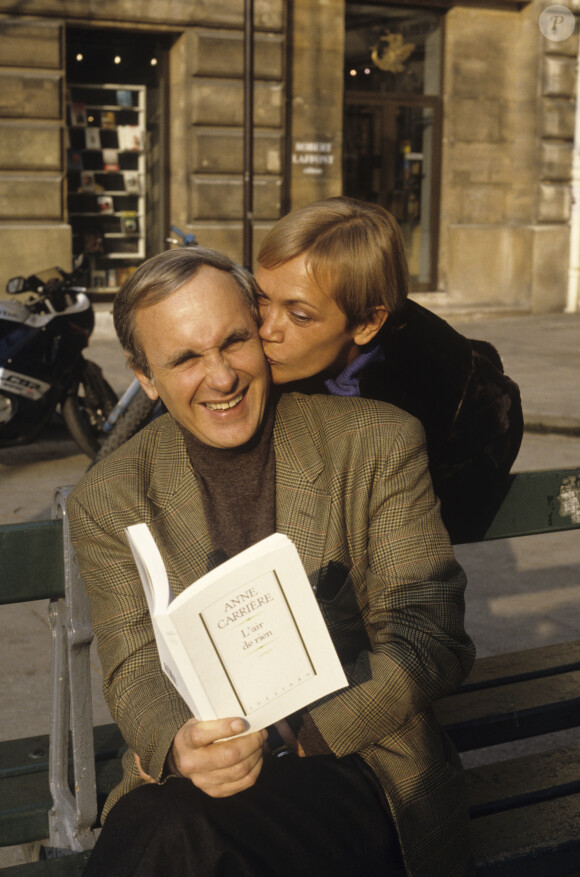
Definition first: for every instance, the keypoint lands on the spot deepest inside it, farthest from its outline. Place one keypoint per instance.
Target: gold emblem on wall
(391, 57)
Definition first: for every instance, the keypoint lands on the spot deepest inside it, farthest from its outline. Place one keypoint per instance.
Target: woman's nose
(270, 329)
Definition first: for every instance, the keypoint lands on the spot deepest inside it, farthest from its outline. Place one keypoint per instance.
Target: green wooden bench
(525, 811)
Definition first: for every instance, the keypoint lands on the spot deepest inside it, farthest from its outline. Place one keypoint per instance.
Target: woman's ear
(366, 331)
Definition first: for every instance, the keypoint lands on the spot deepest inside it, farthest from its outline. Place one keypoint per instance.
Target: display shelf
(106, 179)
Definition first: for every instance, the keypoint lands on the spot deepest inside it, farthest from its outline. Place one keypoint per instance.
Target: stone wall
(31, 148)
(508, 130)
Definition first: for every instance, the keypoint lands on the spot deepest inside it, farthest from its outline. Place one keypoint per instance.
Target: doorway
(392, 122)
(391, 157)
(117, 149)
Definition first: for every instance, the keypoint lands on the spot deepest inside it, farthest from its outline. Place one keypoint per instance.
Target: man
(369, 774)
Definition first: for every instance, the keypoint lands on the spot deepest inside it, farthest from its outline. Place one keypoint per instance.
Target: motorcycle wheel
(87, 406)
(137, 414)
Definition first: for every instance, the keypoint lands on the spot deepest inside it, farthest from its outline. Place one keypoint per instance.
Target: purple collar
(347, 382)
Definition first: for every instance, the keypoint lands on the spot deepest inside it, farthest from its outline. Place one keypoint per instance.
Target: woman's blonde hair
(354, 250)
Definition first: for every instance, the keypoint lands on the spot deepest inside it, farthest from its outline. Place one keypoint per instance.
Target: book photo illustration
(246, 639)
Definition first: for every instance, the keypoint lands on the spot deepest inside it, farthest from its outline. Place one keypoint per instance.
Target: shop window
(115, 156)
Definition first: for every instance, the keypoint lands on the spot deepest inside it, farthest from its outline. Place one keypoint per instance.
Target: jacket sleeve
(141, 699)
(409, 591)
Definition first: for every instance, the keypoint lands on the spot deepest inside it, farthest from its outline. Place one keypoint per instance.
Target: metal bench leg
(74, 813)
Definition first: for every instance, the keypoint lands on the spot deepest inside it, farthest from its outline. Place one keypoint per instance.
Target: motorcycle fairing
(16, 312)
(22, 385)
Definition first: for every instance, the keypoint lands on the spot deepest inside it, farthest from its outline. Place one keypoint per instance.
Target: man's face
(205, 359)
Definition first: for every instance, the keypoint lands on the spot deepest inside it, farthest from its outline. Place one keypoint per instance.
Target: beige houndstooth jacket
(354, 494)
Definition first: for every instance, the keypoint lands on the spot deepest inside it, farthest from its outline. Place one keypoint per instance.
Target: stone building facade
(502, 128)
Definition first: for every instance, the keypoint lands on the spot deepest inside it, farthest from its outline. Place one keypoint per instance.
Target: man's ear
(147, 384)
(366, 331)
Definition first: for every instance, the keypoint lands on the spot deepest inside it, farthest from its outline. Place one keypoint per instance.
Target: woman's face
(303, 331)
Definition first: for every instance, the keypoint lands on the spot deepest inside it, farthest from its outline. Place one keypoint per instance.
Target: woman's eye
(300, 317)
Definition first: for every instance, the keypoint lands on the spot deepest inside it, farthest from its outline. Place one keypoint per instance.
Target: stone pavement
(542, 354)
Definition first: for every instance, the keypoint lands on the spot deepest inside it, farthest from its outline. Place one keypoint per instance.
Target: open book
(247, 639)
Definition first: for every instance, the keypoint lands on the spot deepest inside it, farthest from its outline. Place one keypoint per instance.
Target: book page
(259, 645)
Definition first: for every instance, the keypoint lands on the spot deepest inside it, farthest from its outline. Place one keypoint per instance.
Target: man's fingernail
(238, 725)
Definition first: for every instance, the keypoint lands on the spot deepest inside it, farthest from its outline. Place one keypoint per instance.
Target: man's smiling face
(205, 359)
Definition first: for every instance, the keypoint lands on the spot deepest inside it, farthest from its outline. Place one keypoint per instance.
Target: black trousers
(304, 816)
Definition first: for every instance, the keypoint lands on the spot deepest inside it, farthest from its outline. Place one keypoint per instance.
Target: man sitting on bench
(370, 784)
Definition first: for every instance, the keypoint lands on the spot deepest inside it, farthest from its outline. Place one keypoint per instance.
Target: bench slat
(527, 664)
(476, 719)
(30, 754)
(495, 787)
(543, 840)
(31, 561)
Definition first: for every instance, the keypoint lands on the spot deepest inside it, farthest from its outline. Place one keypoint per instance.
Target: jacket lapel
(302, 498)
(179, 520)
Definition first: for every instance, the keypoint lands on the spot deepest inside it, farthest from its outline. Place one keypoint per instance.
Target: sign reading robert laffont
(314, 156)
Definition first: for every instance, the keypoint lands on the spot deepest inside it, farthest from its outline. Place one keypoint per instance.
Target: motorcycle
(42, 367)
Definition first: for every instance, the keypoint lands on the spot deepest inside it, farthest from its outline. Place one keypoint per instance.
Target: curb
(551, 424)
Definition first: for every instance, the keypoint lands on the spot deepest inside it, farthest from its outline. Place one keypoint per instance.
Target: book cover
(110, 160)
(247, 639)
(98, 278)
(132, 182)
(124, 97)
(78, 114)
(74, 160)
(108, 119)
(105, 203)
(92, 138)
(130, 138)
(129, 222)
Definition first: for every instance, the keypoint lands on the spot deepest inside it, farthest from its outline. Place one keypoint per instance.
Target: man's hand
(219, 768)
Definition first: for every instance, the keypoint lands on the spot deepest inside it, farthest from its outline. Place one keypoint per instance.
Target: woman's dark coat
(471, 411)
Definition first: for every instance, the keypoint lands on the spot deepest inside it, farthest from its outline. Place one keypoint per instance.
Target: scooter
(42, 367)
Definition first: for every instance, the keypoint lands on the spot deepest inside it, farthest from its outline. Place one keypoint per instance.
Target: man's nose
(220, 374)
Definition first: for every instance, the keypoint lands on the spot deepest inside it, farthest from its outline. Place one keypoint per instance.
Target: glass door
(392, 122)
(388, 156)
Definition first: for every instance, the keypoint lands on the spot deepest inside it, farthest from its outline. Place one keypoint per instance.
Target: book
(129, 222)
(130, 138)
(108, 119)
(74, 160)
(132, 182)
(124, 97)
(110, 160)
(78, 114)
(105, 203)
(247, 639)
(92, 138)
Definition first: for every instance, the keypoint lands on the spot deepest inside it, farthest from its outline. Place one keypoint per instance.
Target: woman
(332, 286)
